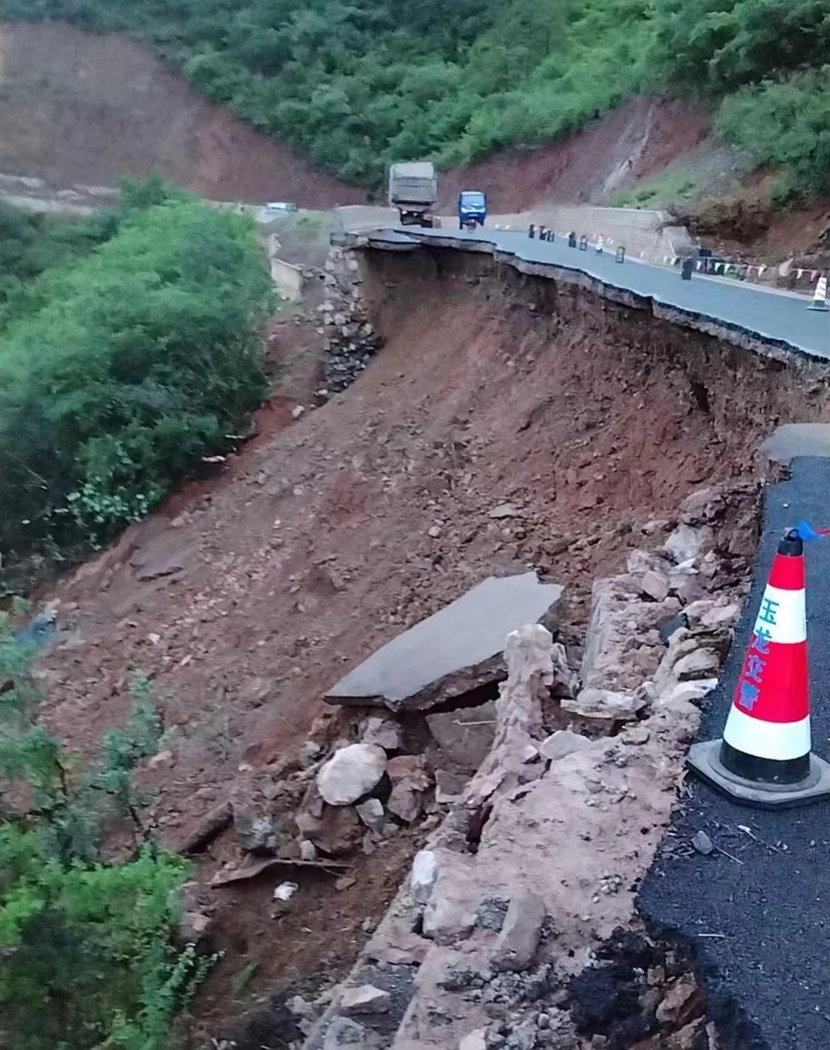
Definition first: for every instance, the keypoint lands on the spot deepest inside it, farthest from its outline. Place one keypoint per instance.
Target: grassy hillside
(357, 83)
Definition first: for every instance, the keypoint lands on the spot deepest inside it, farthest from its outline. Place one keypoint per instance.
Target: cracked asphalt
(783, 320)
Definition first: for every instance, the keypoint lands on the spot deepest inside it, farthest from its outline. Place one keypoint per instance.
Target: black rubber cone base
(704, 759)
(818, 306)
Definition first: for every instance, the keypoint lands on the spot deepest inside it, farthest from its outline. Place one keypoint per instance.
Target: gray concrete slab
(778, 320)
(757, 910)
(451, 652)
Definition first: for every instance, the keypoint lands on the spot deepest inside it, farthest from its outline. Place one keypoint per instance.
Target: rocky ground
(504, 934)
(506, 425)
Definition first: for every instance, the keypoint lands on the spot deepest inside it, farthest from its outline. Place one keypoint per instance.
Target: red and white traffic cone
(764, 758)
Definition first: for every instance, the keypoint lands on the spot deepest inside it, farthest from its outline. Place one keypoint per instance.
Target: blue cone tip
(806, 532)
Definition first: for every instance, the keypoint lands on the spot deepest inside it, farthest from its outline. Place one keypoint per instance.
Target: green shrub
(118, 373)
(785, 123)
(89, 956)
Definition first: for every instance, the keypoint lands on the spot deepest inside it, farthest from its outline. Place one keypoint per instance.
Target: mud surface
(326, 540)
(90, 108)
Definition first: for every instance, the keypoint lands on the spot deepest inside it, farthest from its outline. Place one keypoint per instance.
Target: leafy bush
(726, 44)
(785, 123)
(118, 373)
(31, 244)
(88, 951)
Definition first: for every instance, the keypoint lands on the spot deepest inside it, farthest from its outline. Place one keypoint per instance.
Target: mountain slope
(357, 83)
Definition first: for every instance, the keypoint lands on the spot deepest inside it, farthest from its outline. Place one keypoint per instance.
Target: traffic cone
(764, 758)
(819, 296)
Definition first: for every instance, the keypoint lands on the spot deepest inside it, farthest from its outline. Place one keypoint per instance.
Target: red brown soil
(89, 108)
(635, 141)
(743, 225)
(315, 549)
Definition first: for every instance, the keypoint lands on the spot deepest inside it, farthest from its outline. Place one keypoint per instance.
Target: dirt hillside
(610, 154)
(80, 107)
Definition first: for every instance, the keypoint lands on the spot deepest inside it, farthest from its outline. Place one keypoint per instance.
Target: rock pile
(536, 862)
(352, 340)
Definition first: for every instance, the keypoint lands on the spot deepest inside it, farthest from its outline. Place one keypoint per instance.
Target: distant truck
(413, 190)
(472, 209)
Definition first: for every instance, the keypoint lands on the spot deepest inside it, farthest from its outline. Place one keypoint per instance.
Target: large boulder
(351, 773)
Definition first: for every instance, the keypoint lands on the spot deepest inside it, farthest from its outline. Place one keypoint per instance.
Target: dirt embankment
(372, 512)
(612, 153)
(90, 108)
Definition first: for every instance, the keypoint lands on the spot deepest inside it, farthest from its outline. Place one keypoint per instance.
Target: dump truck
(413, 190)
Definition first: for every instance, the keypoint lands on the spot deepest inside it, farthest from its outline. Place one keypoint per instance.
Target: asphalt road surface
(770, 316)
(758, 913)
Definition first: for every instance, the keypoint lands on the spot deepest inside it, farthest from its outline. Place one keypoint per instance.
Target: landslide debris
(373, 513)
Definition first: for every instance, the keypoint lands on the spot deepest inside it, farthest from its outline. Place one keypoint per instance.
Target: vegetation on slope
(30, 244)
(89, 956)
(121, 369)
(358, 83)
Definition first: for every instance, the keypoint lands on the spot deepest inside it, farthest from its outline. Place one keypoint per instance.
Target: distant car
(281, 207)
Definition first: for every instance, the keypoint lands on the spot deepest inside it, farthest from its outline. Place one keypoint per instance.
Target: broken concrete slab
(617, 612)
(604, 704)
(521, 933)
(365, 1000)
(466, 736)
(452, 652)
(562, 743)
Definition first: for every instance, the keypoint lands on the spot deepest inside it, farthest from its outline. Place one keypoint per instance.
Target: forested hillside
(357, 83)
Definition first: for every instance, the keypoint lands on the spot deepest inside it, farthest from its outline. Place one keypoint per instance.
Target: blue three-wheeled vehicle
(472, 209)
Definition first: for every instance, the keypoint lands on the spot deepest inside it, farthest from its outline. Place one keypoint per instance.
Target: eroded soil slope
(370, 513)
(612, 153)
(90, 108)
